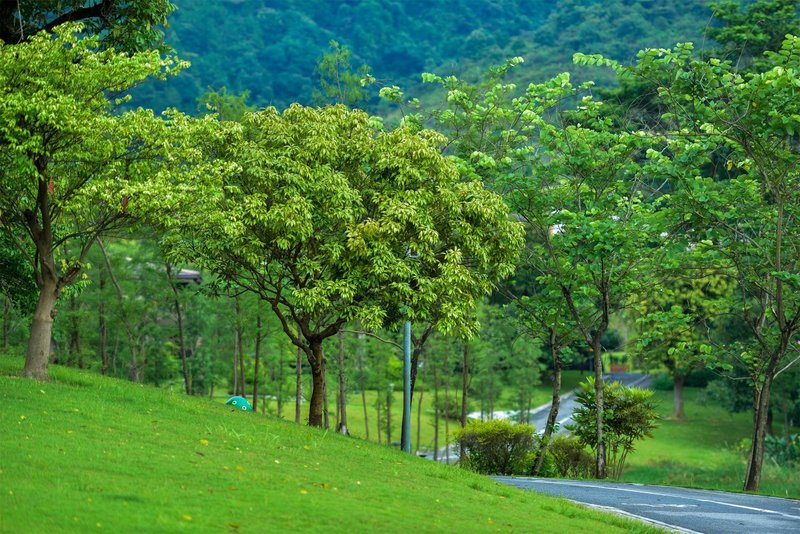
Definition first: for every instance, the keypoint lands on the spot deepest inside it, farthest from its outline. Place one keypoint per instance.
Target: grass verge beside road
(85, 452)
(701, 452)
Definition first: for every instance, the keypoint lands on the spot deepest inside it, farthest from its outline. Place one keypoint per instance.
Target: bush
(662, 382)
(783, 453)
(497, 447)
(569, 458)
(628, 416)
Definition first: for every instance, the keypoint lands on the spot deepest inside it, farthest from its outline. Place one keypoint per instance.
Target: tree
(337, 82)
(748, 30)
(734, 157)
(66, 158)
(316, 213)
(676, 320)
(130, 25)
(629, 415)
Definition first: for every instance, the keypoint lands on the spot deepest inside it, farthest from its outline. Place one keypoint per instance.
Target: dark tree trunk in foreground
(555, 404)
(38, 352)
(316, 407)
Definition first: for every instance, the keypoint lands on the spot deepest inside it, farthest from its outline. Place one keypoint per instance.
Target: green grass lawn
(701, 451)
(85, 453)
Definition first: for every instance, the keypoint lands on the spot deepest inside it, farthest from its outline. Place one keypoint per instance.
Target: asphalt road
(678, 509)
(538, 417)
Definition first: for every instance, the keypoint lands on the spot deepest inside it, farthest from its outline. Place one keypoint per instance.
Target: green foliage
(129, 25)
(337, 82)
(227, 106)
(749, 29)
(570, 458)
(400, 41)
(783, 451)
(16, 278)
(331, 205)
(497, 447)
(629, 415)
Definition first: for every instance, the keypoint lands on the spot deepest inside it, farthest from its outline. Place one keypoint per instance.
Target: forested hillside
(271, 48)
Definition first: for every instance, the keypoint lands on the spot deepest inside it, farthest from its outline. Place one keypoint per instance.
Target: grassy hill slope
(86, 452)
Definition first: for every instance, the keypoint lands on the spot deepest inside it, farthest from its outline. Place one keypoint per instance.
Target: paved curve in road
(679, 509)
(568, 404)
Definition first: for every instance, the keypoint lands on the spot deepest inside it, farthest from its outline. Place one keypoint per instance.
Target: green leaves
(333, 218)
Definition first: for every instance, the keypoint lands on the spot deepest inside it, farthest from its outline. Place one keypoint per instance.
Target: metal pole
(405, 439)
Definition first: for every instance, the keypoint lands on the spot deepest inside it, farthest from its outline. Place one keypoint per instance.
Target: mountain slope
(271, 48)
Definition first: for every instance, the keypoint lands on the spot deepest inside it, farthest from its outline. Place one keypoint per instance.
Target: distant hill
(270, 48)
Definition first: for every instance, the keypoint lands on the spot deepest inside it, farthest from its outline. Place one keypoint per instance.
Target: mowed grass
(86, 453)
(701, 451)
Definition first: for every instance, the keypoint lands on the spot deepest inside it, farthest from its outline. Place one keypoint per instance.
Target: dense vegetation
(271, 49)
(274, 253)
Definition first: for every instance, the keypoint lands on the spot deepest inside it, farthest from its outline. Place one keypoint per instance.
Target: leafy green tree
(317, 212)
(628, 416)
(748, 218)
(131, 25)
(338, 83)
(66, 157)
(750, 29)
(675, 321)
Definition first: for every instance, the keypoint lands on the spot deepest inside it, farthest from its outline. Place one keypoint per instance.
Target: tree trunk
(6, 322)
(446, 410)
(325, 414)
(555, 404)
(362, 384)
(342, 424)
(102, 327)
(419, 414)
(38, 352)
(600, 468)
(754, 464)
(464, 396)
(74, 336)
(378, 403)
(316, 408)
(187, 377)
(134, 369)
(240, 336)
(298, 384)
(257, 362)
(279, 395)
(679, 379)
(435, 414)
(418, 344)
(389, 393)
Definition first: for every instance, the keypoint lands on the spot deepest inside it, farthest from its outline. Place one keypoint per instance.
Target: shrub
(781, 452)
(628, 416)
(570, 458)
(497, 447)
